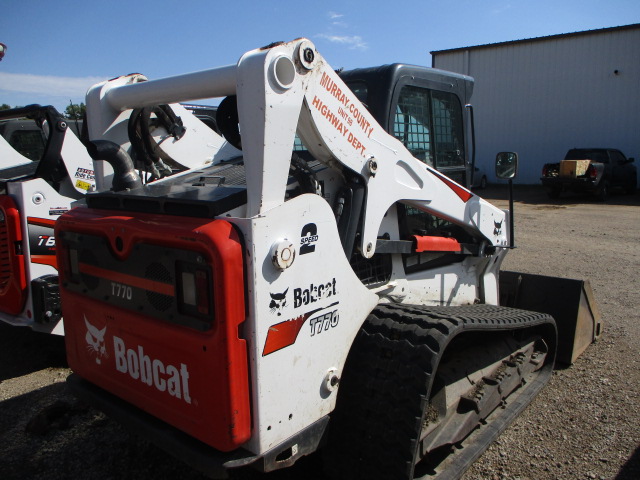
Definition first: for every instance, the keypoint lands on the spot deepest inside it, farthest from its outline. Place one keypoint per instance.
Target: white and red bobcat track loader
(406, 100)
(46, 168)
(346, 295)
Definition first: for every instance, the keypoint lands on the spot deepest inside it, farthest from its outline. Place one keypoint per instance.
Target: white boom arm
(289, 87)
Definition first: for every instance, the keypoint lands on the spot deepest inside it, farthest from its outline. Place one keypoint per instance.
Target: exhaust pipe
(125, 176)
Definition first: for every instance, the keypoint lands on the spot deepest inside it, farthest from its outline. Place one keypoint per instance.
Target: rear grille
(146, 282)
(157, 272)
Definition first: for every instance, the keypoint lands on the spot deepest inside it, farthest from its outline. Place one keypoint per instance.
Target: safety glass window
(29, 143)
(447, 129)
(411, 123)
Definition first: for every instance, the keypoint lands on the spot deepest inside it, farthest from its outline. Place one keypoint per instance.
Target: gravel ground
(584, 425)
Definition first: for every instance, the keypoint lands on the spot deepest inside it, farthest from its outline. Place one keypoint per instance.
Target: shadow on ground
(631, 469)
(23, 351)
(50, 435)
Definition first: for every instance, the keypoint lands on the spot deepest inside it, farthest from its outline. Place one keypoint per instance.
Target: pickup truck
(590, 170)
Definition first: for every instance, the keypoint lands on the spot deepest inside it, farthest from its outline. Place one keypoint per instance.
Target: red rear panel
(13, 279)
(152, 307)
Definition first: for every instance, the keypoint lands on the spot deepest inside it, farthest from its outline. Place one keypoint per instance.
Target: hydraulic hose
(124, 174)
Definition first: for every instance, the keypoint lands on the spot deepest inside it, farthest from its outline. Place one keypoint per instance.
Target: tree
(75, 111)
(4, 106)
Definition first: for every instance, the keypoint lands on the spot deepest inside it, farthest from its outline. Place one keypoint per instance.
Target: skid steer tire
(384, 392)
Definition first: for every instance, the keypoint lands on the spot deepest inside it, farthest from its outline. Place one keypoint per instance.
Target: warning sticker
(85, 174)
(83, 185)
(58, 210)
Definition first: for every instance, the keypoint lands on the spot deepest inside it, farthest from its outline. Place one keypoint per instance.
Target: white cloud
(47, 85)
(337, 27)
(354, 42)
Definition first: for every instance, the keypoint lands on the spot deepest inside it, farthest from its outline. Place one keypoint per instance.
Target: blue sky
(56, 50)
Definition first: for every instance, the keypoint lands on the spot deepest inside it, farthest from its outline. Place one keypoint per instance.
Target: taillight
(68, 263)
(13, 275)
(592, 173)
(195, 289)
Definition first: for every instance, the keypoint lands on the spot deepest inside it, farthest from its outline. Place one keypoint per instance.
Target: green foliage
(4, 106)
(75, 111)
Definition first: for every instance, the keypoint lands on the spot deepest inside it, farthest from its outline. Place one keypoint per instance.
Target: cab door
(429, 123)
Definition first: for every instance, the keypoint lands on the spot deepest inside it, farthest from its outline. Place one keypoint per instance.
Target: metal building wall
(541, 97)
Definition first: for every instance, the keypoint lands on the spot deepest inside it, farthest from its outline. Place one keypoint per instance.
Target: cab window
(412, 123)
(29, 143)
(430, 124)
(447, 129)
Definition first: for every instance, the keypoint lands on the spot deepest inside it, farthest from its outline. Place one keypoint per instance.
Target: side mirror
(631, 160)
(506, 165)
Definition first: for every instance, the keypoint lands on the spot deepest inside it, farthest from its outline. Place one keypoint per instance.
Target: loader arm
(289, 88)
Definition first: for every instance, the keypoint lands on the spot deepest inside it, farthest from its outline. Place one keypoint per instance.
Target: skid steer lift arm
(289, 88)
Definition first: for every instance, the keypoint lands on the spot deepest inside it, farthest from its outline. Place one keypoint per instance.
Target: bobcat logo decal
(278, 302)
(95, 341)
(497, 230)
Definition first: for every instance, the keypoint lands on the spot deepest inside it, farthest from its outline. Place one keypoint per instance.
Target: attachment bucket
(570, 302)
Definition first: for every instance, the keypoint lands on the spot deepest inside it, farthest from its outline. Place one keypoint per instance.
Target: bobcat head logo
(95, 341)
(497, 230)
(278, 302)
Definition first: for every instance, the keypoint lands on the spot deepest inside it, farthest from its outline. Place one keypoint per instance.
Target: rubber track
(386, 382)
